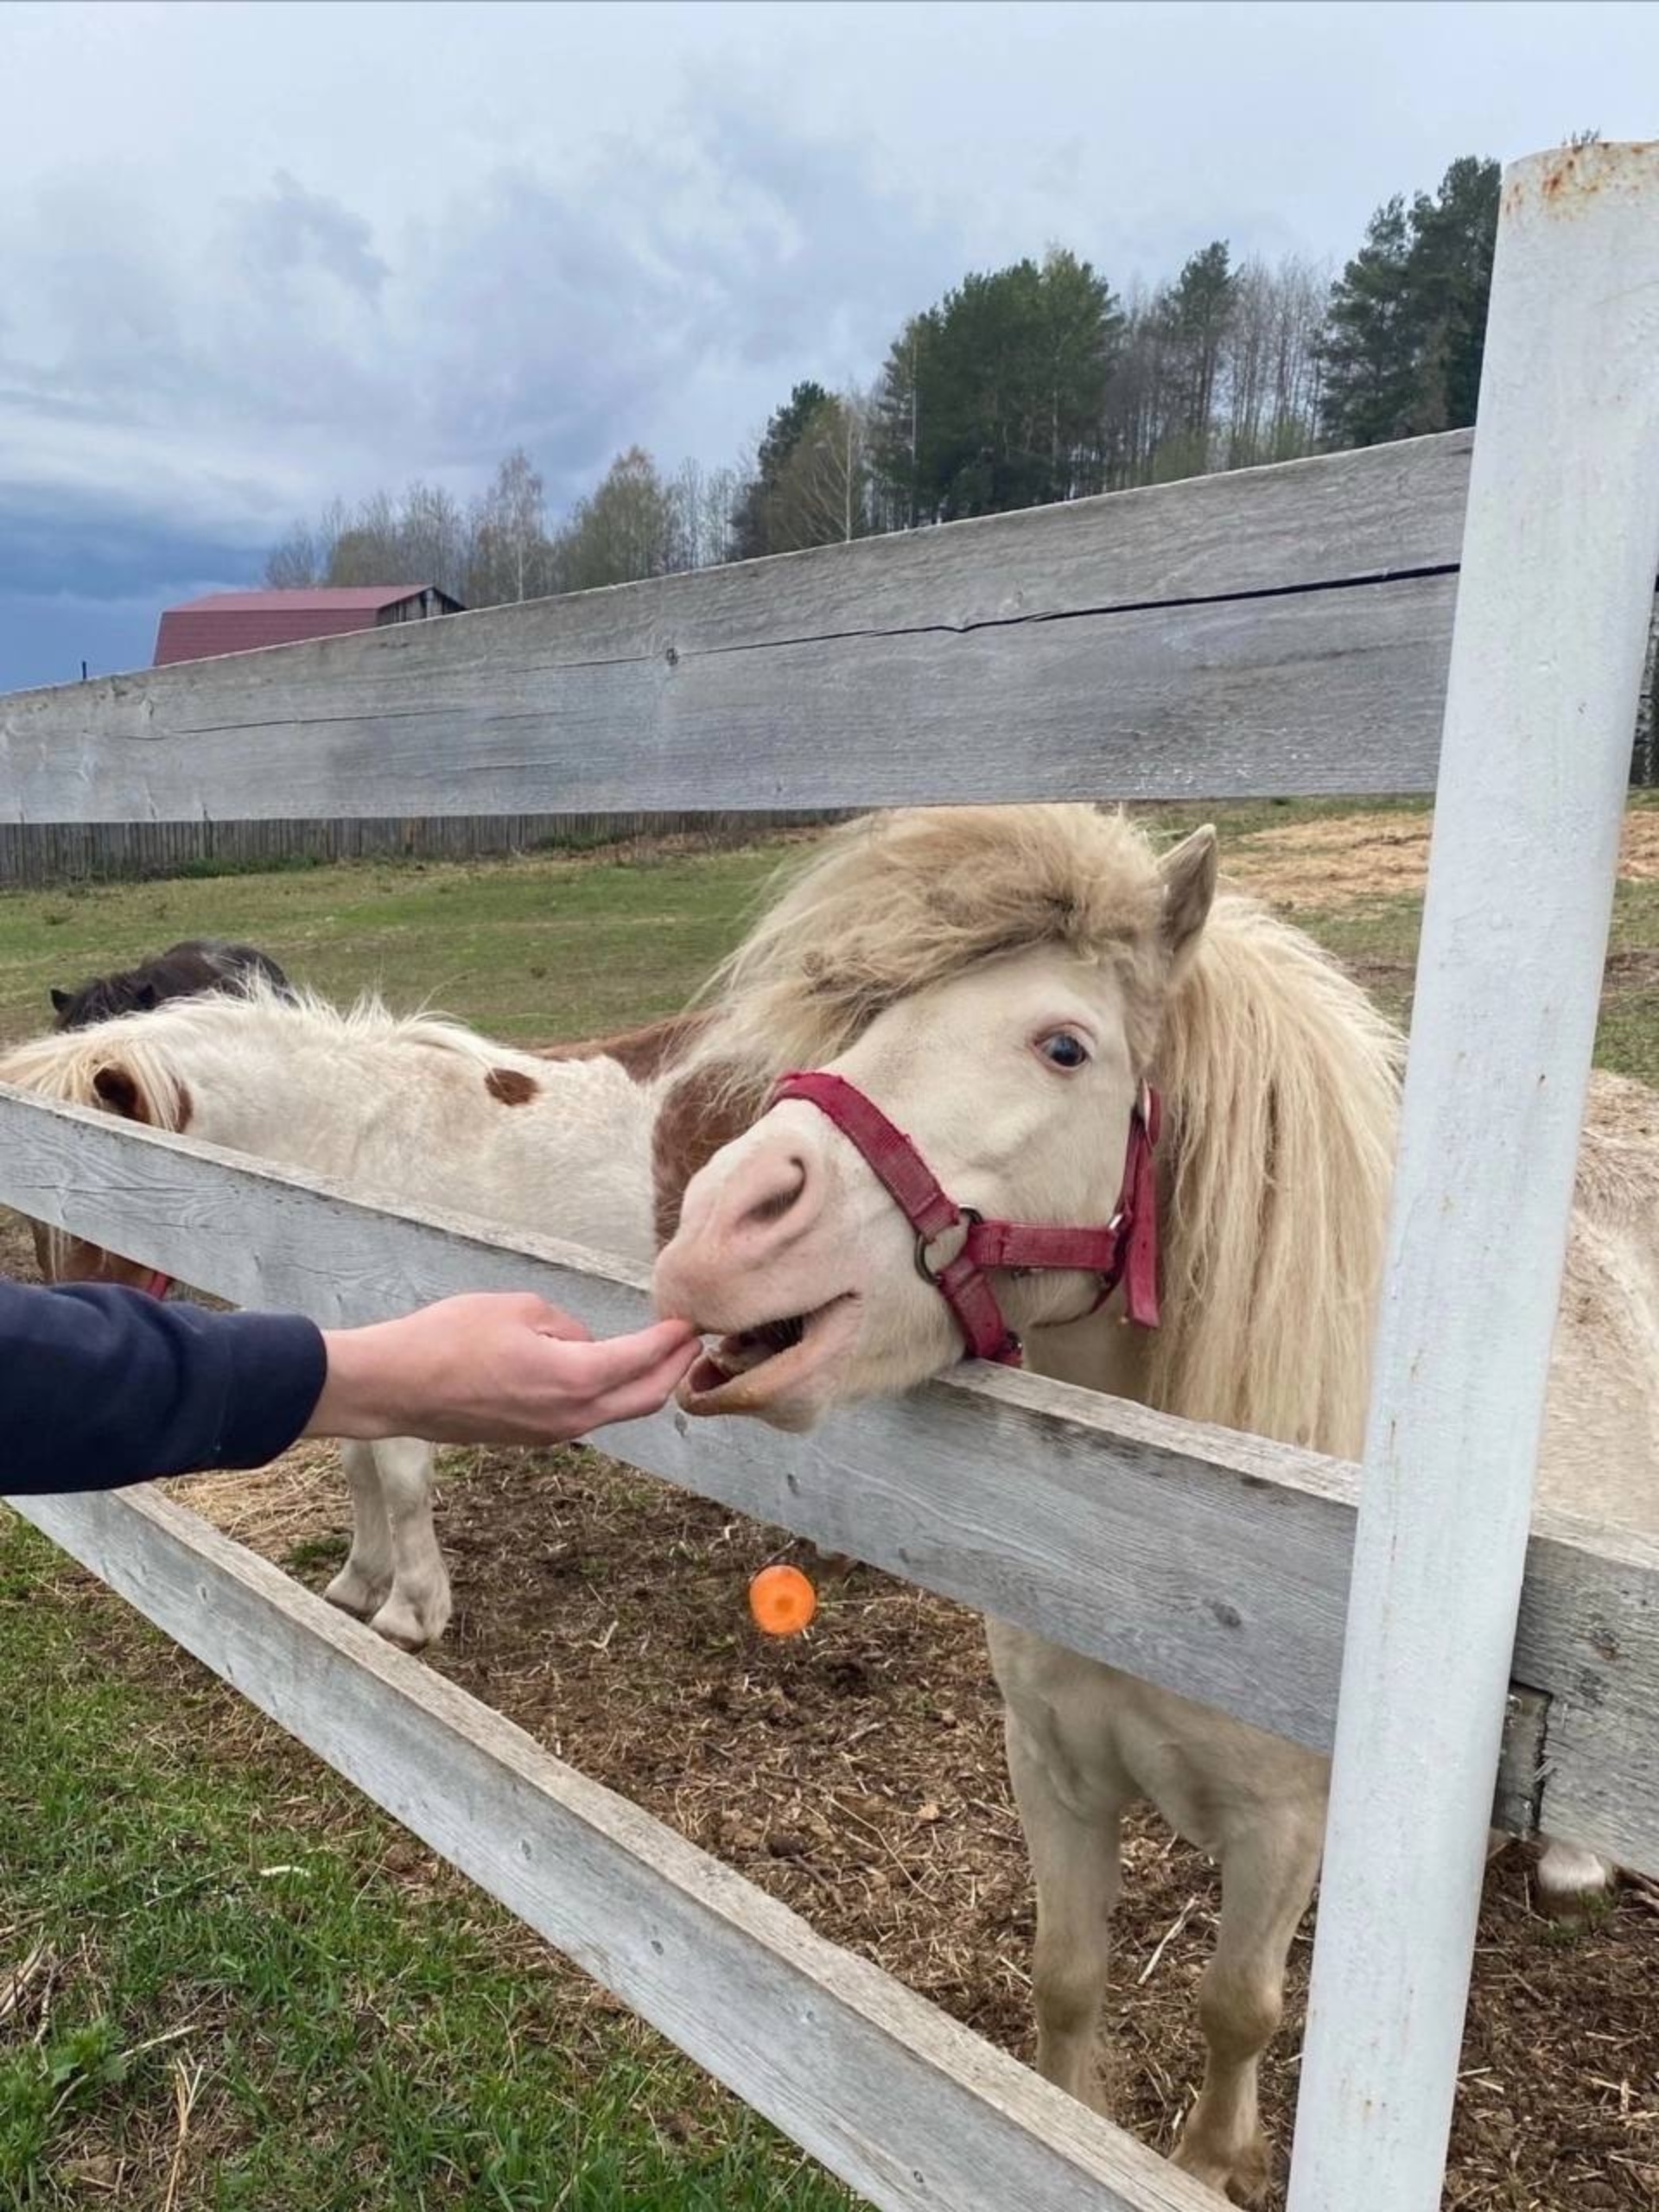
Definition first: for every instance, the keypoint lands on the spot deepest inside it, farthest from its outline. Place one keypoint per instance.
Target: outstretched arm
(101, 1386)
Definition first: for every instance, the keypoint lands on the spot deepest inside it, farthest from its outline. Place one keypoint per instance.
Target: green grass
(534, 948)
(1384, 931)
(359, 2043)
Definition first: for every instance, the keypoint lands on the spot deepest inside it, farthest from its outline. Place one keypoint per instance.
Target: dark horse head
(200, 964)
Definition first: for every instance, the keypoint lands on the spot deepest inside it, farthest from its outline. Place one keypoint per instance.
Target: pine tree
(900, 427)
(996, 397)
(1197, 314)
(1370, 350)
(755, 528)
(1453, 239)
(1408, 316)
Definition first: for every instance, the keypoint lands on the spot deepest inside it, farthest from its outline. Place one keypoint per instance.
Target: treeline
(1022, 386)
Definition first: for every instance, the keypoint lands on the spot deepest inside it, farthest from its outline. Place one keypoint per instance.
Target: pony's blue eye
(1064, 1050)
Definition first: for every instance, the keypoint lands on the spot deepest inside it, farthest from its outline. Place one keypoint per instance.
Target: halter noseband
(1124, 1251)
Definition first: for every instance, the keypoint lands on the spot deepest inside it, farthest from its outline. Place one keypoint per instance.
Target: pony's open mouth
(752, 1368)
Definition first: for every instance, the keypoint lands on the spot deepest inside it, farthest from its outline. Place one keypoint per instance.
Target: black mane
(200, 964)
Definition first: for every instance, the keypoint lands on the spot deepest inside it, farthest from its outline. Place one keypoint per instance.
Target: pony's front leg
(1267, 1872)
(1075, 1856)
(361, 1585)
(1571, 1881)
(416, 1611)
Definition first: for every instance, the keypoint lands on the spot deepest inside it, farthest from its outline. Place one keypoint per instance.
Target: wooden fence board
(1335, 691)
(913, 2110)
(1212, 1563)
(1059, 652)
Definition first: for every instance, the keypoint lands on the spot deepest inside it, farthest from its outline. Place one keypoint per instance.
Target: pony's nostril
(780, 1200)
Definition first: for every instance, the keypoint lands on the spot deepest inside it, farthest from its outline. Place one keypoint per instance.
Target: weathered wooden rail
(1281, 630)
(1286, 631)
(1212, 1563)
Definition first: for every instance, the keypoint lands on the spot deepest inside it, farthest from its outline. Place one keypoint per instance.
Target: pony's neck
(557, 1148)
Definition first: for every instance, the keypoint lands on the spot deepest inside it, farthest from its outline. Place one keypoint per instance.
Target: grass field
(242, 1941)
(224, 1982)
(529, 948)
(532, 947)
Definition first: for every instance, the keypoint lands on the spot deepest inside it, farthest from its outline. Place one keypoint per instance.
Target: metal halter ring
(968, 1216)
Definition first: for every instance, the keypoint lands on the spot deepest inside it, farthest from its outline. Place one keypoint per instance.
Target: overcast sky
(253, 256)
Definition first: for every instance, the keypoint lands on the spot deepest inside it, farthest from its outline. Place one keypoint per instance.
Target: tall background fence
(35, 855)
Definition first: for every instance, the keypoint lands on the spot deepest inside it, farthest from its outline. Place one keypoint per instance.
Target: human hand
(495, 1368)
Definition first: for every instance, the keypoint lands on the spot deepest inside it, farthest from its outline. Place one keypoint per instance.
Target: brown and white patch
(511, 1086)
(698, 1115)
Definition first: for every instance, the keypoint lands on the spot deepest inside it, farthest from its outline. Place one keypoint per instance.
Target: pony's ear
(697, 1116)
(1189, 872)
(118, 1092)
(143, 999)
(62, 1001)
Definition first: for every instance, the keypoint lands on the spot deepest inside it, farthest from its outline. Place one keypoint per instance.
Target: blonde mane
(67, 1064)
(1281, 1079)
(154, 1046)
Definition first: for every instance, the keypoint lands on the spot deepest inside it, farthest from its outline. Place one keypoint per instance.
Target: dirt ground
(1331, 863)
(857, 1773)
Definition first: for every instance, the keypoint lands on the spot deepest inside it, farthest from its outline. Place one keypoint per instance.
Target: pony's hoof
(355, 1594)
(1244, 2177)
(1574, 1886)
(412, 1626)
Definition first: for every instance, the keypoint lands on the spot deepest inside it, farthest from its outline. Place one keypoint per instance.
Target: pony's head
(105, 998)
(999, 984)
(993, 981)
(114, 1066)
(197, 964)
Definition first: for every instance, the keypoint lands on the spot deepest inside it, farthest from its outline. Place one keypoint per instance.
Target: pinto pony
(404, 1111)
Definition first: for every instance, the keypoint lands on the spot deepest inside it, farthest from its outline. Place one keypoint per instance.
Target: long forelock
(891, 904)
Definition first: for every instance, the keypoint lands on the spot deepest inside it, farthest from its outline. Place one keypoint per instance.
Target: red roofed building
(237, 621)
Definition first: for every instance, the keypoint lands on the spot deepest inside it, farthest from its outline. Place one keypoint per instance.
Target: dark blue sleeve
(100, 1386)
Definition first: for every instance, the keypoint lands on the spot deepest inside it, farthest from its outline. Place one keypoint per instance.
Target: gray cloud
(574, 228)
(290, 233)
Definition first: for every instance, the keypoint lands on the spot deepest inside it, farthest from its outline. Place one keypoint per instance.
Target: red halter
(156, 1285)
(1124, 1251)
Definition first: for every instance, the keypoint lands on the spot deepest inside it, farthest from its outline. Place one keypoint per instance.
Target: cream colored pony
(404, 1112)
(999, 982)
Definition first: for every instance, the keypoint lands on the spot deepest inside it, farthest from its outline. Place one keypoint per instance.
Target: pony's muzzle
(772, 1198)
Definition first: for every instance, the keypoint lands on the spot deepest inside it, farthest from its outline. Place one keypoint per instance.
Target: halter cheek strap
(156, 1285)
(1124, 1250)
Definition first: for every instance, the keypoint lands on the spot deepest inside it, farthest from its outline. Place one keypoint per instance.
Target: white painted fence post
(1561, 546)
